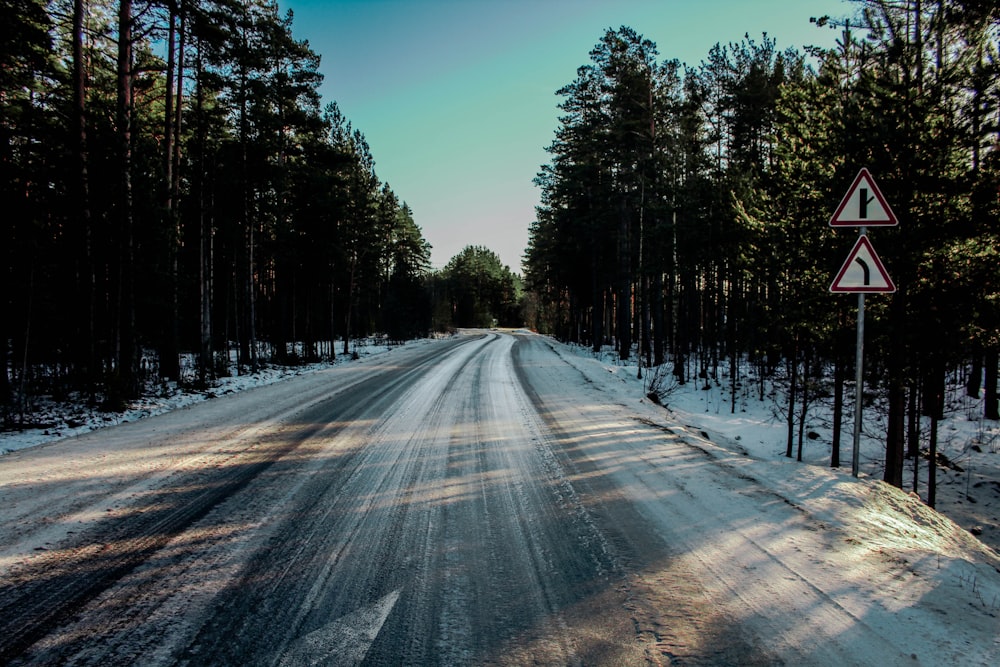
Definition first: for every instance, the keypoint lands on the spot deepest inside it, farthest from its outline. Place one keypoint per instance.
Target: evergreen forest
(172, 186)
(685, 210)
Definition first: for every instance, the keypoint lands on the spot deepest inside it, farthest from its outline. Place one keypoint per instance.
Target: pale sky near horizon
(457, 97)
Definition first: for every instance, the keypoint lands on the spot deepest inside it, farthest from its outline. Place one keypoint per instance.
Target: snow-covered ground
(968, 487)
(900, 564)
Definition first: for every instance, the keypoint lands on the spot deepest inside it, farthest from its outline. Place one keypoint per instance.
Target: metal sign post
(859, 363)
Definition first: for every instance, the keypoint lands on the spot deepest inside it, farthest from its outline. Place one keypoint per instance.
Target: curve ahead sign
(863, 271)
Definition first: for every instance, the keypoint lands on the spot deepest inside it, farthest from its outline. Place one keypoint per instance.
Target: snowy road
(464, 502)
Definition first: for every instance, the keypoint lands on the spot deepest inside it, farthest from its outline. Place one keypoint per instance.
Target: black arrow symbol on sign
(864, 267)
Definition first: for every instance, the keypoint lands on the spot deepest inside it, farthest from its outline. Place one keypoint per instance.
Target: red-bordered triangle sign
(863, 271)
(864, 205)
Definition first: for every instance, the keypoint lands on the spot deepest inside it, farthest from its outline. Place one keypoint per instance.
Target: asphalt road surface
(435, 505)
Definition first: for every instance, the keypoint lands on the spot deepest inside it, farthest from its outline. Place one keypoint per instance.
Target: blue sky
(457, 97)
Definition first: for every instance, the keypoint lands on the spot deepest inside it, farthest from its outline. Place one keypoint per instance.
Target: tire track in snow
(48, 592)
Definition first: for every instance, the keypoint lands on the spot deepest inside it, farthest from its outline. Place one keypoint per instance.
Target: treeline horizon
(685, 211)
(171, 184)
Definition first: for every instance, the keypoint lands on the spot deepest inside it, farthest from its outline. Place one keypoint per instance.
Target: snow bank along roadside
(968, 474)
(887, 560)
(60, 420)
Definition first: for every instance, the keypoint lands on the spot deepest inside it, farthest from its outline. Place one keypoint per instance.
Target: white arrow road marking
(343, 642)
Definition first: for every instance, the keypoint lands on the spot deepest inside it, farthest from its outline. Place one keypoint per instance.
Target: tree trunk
(975, 383)
(350, 303)
(658, 320)
(87, 357)
(932, 464)
(805, 402)
(248, 343)
(838, 410)
(894, 441)
(22, 392)
(124, 384)
(933, 400)
(237, 291)
(682, 316)
(642, 289)
(624, 300)
(913, 432)
(175, 170)
(913, 437)
(173, 183)
(733, 379)
(913, 419)
(251, 293)
(894, 435)
(5, 359)
(991, 409)
(597, 312)
(333, 319)
(647, 348)
(793, 361)
(169, 362)
(206, 260)
(206, 263)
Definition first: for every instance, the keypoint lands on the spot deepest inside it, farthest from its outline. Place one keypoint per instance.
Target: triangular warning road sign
(863, 271)
(863, 205)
